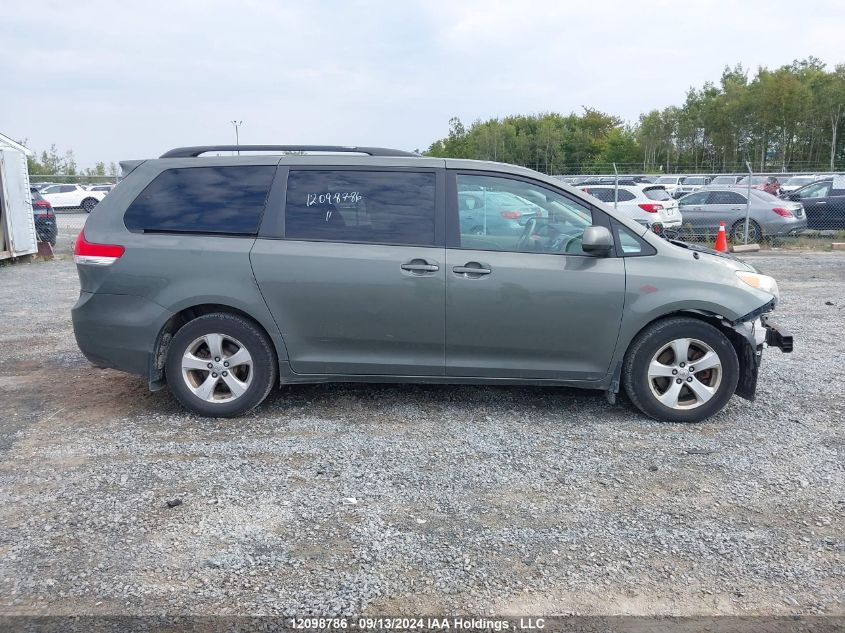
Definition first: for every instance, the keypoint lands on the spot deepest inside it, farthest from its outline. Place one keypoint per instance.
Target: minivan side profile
(221, 277)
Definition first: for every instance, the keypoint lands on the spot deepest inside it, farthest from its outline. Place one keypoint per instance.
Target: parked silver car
(769, 216)
(223, 276)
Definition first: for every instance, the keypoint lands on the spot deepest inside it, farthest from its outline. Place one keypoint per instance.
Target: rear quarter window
(224, 200)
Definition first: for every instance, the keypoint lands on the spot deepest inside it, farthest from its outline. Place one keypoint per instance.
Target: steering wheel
(573, 245)
(530, 225)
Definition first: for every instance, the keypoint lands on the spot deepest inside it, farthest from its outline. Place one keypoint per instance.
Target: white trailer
(17, 224)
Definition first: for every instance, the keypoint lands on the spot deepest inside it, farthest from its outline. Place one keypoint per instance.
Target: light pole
(237, 124)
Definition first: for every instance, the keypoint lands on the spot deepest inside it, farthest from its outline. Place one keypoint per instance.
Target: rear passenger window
(226, 200)
(605, 195)
(380, 207)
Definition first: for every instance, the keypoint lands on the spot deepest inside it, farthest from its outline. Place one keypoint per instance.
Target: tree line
(787, 119)
(50, 163)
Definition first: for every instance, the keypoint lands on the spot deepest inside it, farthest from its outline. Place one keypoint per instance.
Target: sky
(123, 80)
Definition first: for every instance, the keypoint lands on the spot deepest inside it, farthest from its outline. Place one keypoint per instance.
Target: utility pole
(237, 124)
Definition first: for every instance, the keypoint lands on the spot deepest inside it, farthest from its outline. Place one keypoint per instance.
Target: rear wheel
(680, 370)
(88, 204)
(220, 365)
(755, 233)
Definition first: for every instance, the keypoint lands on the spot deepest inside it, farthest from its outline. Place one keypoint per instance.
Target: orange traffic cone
(722, 239)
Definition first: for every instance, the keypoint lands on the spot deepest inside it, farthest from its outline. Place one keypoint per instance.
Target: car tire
(755, 233)
(657, 352)
(88, 204)
(198, 372)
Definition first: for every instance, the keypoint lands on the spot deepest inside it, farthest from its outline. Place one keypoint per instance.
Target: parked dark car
(824, 205)
(45, 218)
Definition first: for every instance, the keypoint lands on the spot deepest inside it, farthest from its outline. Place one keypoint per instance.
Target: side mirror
(596, 239)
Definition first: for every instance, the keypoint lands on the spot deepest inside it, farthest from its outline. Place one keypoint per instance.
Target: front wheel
(680, 369)
(220, 365)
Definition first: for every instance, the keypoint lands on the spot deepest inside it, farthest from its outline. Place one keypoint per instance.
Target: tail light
(85, 252)
(651, 207)
(657, 227)
(511, 215)
(784, 213)
(42, 207)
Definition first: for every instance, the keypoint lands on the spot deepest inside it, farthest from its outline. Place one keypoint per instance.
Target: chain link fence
(780, 209)
(801, 210)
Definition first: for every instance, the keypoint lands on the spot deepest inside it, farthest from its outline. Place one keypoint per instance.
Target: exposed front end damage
(749, 335)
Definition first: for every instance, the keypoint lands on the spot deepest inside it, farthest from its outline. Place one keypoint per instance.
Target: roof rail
(193, 152)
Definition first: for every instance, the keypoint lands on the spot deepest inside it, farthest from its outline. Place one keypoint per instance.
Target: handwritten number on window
(333, 197)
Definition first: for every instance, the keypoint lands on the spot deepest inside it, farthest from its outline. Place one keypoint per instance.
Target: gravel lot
(417, 499)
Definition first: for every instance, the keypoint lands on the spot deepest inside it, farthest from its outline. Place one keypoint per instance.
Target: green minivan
(223, 276)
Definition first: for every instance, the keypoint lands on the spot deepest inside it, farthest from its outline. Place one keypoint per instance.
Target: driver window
(503, 214)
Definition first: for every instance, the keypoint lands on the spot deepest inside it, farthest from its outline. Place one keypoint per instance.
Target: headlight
(761, 282)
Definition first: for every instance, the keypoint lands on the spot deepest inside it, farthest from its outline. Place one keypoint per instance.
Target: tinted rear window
(657, 193)
(227, 200)
(381, 207)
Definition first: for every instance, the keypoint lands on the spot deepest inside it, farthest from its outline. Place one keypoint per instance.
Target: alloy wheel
(217, 368)
(685, 373)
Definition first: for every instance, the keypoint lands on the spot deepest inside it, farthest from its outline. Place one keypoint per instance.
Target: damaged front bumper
(777, 336)
(749, 340)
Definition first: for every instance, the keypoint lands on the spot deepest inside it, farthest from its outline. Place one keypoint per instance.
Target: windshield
(694, 180)
(666, 180)
(755, 180)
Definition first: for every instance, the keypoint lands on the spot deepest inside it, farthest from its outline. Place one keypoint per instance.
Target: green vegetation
(788, 119)
(63, 168)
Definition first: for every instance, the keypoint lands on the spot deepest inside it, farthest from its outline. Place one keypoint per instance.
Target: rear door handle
(420, 266)
(471, 268)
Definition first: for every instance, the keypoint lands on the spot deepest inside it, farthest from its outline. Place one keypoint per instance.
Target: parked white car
(691, 184)
(724, 180)
(670, 183)
(100, 187)
(645, 204)
(72, 196)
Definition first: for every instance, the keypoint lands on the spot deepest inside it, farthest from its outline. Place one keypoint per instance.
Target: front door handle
(471, 270)
(420, 267)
